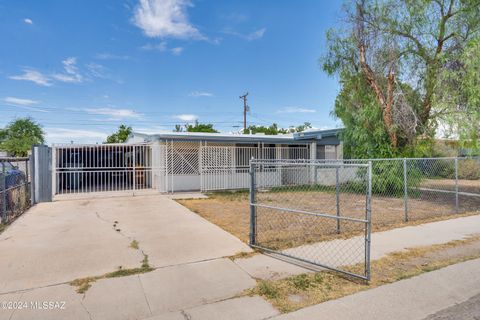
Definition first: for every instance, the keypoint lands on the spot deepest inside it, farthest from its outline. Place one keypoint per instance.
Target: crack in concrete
(68, 282)
(86, 310)
(145, 295)
(185, 315)
(119, 232)
(245, 271)
(34, 288)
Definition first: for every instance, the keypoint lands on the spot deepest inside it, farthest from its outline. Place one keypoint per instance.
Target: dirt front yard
(230, 211)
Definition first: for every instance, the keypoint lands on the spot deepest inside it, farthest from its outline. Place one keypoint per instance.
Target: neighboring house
(3, 154)
(181, 161)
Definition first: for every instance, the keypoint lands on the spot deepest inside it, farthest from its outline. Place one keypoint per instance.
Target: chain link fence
(315, 210)
(14, 188)
(301, 209)
(416, 189)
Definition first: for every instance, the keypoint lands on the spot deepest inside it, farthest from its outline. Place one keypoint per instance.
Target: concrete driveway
(55, 243)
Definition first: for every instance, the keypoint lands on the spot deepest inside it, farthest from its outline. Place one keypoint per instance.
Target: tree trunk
(385, 103)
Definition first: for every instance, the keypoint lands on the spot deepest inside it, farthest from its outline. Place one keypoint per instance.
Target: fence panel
(227, 167)
(413, 189)
(307, 218)
(14, 188)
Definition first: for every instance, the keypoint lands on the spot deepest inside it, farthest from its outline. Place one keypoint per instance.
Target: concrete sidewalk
(383, 243)
(411, 299)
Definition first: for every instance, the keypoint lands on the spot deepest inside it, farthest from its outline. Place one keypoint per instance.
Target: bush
(387, 177)
(469, 169)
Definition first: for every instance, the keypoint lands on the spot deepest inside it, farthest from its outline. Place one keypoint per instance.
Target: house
(217, 161)
(184, 161)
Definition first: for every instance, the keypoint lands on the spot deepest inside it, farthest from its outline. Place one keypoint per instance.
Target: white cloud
(296, 110)
(28, 21)
(33, 76)
(23, 103)
(197, 94)
(165, 19)
(162, 46)
(153, 130)
(71, 73)
(66, 135)
(186, 117)
(176, 51)
(255, 35)
(97, 70)
(110, 56)
(20, 102)
(115, 114)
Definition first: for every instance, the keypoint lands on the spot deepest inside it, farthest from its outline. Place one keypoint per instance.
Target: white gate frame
(85, 168)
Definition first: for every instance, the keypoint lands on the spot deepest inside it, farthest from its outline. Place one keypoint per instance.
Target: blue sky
(81, 68)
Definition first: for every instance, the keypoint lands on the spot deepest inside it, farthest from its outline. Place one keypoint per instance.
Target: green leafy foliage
(19, 136)
(201, 127)
(274, 129)
(433, 46)
(364, 135)
(388, 178)
(196, 127)
(121, 135)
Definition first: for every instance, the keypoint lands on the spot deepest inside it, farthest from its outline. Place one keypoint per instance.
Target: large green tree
(121, 135)
(393, 52)
(19, 135)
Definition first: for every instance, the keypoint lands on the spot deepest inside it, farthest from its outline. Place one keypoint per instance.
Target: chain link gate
(319, 213)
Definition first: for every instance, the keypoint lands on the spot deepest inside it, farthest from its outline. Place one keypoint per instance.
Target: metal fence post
(456, 185)
(337, 194)
(3, 188)
(368, 226)
(134, 173)
(405, 188)
(253, 230)
(32, 176)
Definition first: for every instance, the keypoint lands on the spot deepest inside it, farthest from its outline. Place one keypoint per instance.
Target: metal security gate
(227, 167)
(321, 215)
(106, 167)
(182, 161)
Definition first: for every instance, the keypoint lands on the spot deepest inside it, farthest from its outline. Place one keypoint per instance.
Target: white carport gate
(106, 167)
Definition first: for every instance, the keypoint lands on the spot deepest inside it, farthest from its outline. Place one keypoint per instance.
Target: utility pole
(245, 109)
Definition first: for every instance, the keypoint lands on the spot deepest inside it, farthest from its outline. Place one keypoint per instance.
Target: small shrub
(134, 244)
(387, 178)
(469, 169)
(267, 289)
(319, 278)
(301, 282)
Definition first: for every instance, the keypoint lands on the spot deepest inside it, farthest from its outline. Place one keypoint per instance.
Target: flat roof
(295, 138)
